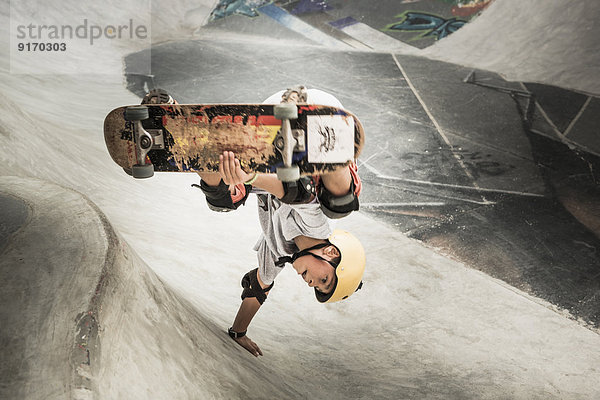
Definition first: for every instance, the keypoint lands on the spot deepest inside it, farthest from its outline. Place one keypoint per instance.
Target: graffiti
(309, 6)
(428, 24)
(242, 7)
(476, 162)
(464, 3)
(471, 8)
(462, 8)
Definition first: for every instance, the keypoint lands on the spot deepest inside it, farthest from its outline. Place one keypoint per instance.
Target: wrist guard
(252, 287)
(220, 199)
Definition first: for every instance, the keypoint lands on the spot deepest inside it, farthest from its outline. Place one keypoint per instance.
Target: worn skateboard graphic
(289, 139)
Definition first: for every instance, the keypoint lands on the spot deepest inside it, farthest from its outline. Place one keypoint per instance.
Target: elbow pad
(299, 192)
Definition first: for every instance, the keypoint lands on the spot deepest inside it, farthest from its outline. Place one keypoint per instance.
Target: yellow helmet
(350, 269)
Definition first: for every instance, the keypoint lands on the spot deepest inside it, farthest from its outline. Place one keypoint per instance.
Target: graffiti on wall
(461, 8)
(242, 7)
(248, 7)
(426, 24)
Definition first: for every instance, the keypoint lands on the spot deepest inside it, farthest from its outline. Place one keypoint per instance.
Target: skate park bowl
(480, 211)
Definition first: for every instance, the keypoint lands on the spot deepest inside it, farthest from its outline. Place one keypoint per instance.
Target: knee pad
(220, 199)
(336, 207)
(299, 192)
(252, 287)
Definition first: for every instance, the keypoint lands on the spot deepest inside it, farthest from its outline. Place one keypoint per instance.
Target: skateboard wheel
(285, 111)
(136, 113)
(142, 171)
(288, 174)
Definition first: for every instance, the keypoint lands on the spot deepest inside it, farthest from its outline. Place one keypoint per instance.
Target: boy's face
(318, 273)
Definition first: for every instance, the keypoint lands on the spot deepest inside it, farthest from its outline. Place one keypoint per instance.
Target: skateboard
(288, 139)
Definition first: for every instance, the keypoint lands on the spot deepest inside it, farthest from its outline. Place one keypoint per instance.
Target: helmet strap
(282, 260)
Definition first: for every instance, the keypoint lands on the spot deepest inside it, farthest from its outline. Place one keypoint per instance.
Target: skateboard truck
(287, 141)
(143, 141)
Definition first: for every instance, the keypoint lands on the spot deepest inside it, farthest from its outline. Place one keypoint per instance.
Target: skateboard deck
(190, 137)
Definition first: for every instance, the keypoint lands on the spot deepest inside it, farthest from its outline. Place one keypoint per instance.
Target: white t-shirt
(281, 222)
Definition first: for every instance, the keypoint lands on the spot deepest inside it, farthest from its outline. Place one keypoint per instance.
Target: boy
(294, 221)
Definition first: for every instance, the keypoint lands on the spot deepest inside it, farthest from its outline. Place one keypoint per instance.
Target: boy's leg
(337, 182)
(338, 192)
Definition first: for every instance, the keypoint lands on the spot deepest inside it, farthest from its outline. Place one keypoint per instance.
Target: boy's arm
(301, 191)
(246, 312)
(269, 183)
(232, 174)
(248, 309)
(339, 196)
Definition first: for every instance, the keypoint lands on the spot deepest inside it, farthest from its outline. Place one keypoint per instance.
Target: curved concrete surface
(13, 214)
(83, 317)
(536, 41)
(49, 270)
(138, 308)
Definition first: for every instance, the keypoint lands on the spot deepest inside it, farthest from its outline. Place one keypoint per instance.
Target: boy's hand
(249, 345)
(230, 169)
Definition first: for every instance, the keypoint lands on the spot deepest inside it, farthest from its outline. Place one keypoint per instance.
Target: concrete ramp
(83, 316)
(532, 41)
(138, 308)
(47, 285)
